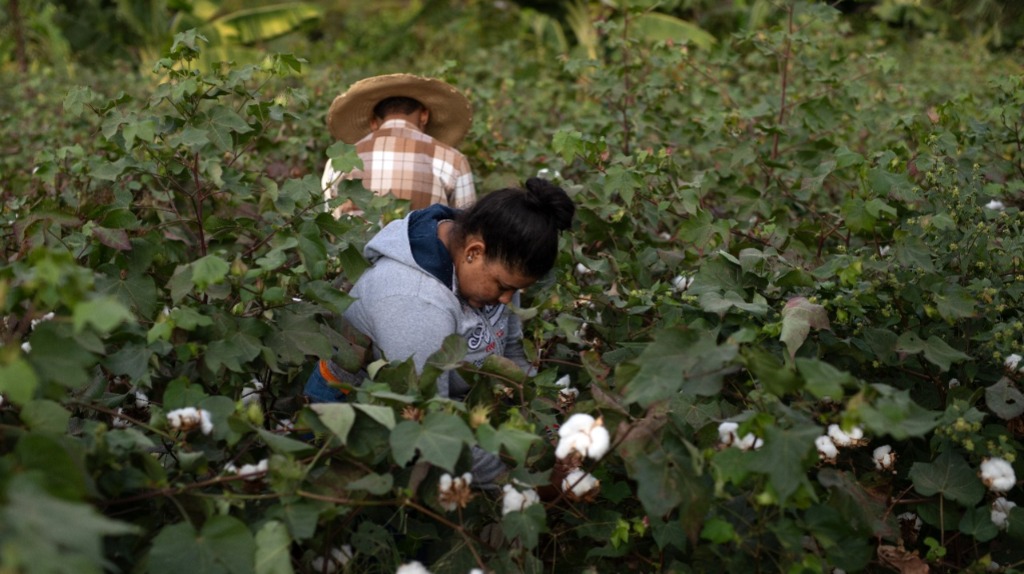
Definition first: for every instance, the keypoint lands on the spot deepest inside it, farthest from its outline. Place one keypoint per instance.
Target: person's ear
(473, 250)
(424, 118)
(374, 123)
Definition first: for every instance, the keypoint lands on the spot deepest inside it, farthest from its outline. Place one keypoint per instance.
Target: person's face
(485, 282)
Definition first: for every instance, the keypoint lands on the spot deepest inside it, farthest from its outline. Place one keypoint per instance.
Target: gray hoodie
(408, 311)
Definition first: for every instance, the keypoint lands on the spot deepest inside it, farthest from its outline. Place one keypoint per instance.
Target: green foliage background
(788, 218)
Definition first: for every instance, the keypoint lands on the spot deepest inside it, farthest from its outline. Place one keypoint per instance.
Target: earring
(469, 259)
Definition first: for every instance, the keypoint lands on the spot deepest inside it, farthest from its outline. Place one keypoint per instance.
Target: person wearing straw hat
(405, 129)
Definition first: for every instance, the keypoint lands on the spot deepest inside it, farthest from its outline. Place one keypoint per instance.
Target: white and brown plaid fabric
(407, 163)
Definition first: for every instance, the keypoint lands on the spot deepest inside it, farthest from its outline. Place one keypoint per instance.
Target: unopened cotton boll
(513, 500)
(884, 458)
(1001, 508)
(413, 567)
(579, 482)
(827, 450)
(997, 474)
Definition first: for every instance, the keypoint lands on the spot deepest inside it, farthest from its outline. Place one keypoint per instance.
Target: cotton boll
(1001, 508)
(578, 422)
(749, 442)
(884, 458)
(997, 474)
(141, 400)
(827, 450)
(584, 434)
(579, 482)
(335, 560)
(727, 432)
(413, 567)
(563, 382)
(516, 501)
(1012, 362)
(995, 205)
(843, 439)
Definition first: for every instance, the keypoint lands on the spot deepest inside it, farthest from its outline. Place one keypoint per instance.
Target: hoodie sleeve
(406, 327)
(514, 341)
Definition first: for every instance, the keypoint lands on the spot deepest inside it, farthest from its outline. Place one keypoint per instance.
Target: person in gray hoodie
(439, 272)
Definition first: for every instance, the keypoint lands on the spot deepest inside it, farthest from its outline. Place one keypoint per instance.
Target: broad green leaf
(526, 525)
(954, 303)
(777, 377)
(383, 415)
(680, 360)
(935, 350)
(209, 270)
(823, 380)
(377, 484)
(232, 352)
(666, 480)
(799, 316)
(103, 313)
(273, 549)
(894, 413)
(136, 292)
(45, 416)
(46, 534)
(283, 444)
(660, 27)
(516, 441)
(58, 466)
(224, 545)
(18, 382)
(338, 417)
(113, 238)
(977, 523)
(718, 531)
(785, 458)
(950, 476)
(343, 157)
(1004, 399)
(439, 439)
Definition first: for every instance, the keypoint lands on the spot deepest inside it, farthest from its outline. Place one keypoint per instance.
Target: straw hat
(351, 112)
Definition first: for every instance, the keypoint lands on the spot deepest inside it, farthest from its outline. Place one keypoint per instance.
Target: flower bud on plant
(479, 415)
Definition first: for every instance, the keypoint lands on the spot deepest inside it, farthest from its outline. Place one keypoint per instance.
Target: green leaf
(824, 380)
(680, 360)
(46, 534)
(209, 270)
(666, 479)
(383, 415)
(113, 238)
(223, 123)
(232, 352)
(977, 523)
(105, 314)
(954, 303)
(1004, 399)
(224, 545)
(950, 476)
(799, 316)
(660, 27)
(526, 525)
(935, 350)
(18, 381)
(45, 416)
(516, 441)
(718, 531)
(439, 439)
(896, 414)
(786, 456)
(376, 484)
(273, 549)
(337, 417)
(283, 444)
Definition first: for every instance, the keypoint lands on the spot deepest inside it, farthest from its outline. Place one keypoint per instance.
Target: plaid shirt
(407, 163)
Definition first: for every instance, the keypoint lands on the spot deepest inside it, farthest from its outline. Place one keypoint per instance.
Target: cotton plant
(727, 436)
(189, 418)
(454, 492)
(997, 474)
(842, 438)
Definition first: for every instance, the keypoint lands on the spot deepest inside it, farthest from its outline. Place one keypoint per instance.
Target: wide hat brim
(450, 113)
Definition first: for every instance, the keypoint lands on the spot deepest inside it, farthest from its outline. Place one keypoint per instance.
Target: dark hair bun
(552, 200)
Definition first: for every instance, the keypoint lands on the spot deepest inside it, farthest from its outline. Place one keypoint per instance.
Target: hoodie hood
(413, 241)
